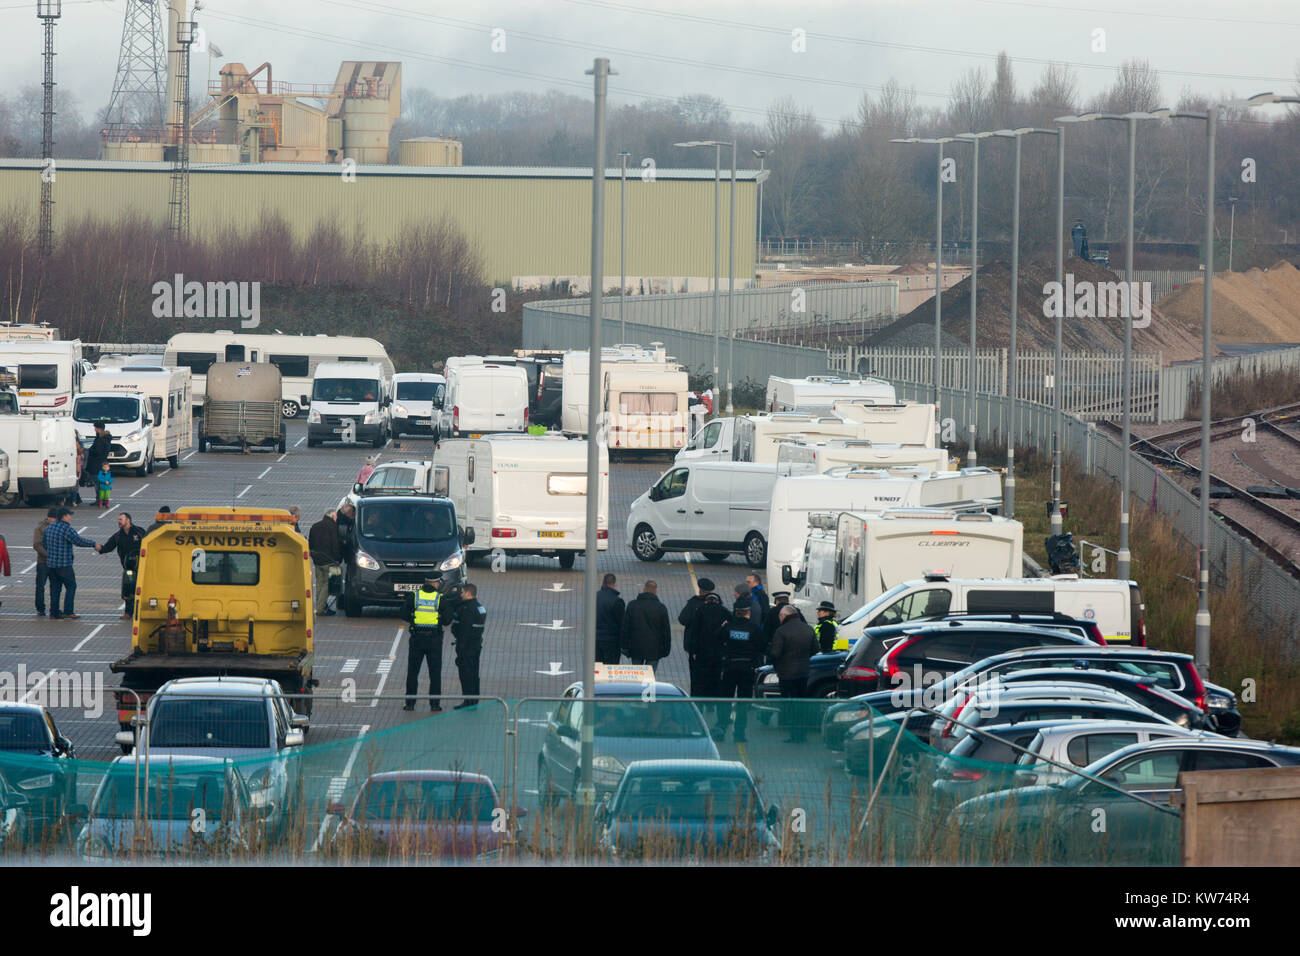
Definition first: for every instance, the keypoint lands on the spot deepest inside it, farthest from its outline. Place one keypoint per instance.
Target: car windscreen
(417, 391)
(111, 409)
(215, 722)
(406, 521)
(345, 390)
(171, 796)
(22, 731)
(655, 719)
(432, 800)
(687, 796)
(8, 403)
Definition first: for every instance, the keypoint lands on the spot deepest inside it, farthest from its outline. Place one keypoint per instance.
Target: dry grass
(1240, 393)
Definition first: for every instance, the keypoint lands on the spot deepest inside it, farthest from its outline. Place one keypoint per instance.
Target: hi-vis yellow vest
(426, 608)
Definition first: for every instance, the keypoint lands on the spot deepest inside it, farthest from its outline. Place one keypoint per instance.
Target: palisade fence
(1177, 382)
(1272, 593)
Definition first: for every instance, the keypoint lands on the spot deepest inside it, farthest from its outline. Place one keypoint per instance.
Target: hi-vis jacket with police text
(424, 609)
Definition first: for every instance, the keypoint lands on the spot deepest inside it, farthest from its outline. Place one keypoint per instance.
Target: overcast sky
(740, 51)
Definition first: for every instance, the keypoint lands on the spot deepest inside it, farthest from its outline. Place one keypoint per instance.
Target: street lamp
(1232, 226)
(623, 154)
(761, 154)
(974, 140)
(938, 257)
(1131, 119)
(717, 225)
(1013, 378)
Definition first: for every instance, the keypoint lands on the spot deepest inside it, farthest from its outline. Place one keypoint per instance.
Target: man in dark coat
(326, 550)
(758, 599)
(126, 542)
(647, 635)
(772, 619)
(97, 454)
(740, 655)
(702, 620)
(610, 609)
(793, 644)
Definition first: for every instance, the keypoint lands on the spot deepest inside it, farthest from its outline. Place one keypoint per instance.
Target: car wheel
(546, 794)
(312, 442)
(755, 550)
(143, 470)
(351, 603)
(289, 409)
(174, 460)
(151, 463)
(644, 544)
(714, 557)
(567, 558)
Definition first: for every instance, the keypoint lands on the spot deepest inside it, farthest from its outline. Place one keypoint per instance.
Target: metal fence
(1178, 381)
(1272, 593)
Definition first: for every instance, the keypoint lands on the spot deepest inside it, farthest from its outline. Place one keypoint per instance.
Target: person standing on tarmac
(740, 655)
(702, 619)
(772, 619)
(610, 608)
(468, 618)
(424, 642)
(326, 549)
(647, 635)
(126, 542)
(793, 646)
(42, 569)
(758, 596)
(827, 627)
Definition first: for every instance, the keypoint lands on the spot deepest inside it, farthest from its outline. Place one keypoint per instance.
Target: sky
(824, 53)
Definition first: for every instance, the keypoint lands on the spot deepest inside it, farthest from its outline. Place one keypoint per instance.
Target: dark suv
(398, 541)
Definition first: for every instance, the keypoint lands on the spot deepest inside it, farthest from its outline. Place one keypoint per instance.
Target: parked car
(42, 768)
(1141, 690)
(440, 813)
(14, 810)
(1056, 823)
(186, 806)
(703, 809)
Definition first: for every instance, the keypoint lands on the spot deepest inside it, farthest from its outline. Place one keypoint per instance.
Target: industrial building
(531, 225)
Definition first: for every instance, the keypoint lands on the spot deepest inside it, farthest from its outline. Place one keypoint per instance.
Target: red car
(408, 813)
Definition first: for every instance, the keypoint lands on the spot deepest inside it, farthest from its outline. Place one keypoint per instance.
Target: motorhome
(821, 392)
(169, 391)
(483, 397)
(42, 452)
(296, 356)
(875, 552)
(417, 402)
(524, 494)
(716, 508)
(796, 498)
(350, 402)
(796, 456)
(49, 373)
(127, 418)
(644, 398)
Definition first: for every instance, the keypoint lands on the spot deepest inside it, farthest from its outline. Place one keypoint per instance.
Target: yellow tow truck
(220, 592)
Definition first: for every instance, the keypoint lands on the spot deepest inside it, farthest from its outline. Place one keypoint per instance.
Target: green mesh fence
(780, 781)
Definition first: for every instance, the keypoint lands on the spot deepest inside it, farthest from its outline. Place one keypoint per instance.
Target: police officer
(827, 627)
(424, 642)
(740, 655)
(468, 617)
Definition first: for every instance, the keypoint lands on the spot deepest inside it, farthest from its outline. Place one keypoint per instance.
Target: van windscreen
(345, 390)
(417, 391)
(113, 409)
(406, 521)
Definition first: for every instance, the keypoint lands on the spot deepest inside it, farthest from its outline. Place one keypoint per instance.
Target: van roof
(419, 377)
(349, 369)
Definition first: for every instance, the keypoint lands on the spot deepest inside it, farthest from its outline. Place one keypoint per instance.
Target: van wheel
(379, 441)
(755, 550)
(203, 443)
(9, 498)
(644, 544)
(289, 409)
(151, 463)
(567, 558)
(174, 460)
(143, 469)
(714, 557)
(351, 603)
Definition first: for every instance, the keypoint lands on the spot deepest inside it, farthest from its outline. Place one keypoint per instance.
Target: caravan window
(647, 403)
(298, 366)
(566, 484)
(38, 376)
(155, 406)
(197, 362)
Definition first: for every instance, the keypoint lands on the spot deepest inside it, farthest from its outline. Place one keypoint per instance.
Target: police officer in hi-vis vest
(424, 643)
(828, 629)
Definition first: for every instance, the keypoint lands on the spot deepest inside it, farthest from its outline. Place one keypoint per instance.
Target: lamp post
(938, 259)
(1232, 226)
(974, 140)
(623, 154)
(761, 154)
(1131, 119)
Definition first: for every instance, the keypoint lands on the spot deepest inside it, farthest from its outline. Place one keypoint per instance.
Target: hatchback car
(38, 762)
(633, 721)
(701, 809)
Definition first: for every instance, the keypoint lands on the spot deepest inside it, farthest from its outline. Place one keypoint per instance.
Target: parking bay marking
(349, 665)
(244, 492)
(339, 784)
(138, 490)
(28, 568)
(86, 640)
(263, 474)
(383, 671)
(555, 625)
(555, 670)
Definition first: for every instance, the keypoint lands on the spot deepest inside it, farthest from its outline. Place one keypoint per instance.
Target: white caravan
(909, 423)
(796, 498)
(42, 454)
(482, 398)
(645, 398)
(350, 402)
(821, 392)
(49, 373)
(755, 438)
(417, 402)
(169, 392)
(296, 356)
(523, 494)
(796, 456)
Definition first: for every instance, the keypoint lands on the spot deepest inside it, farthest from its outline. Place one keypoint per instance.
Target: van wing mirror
(467, 536)
(356, 487)
(786, 576)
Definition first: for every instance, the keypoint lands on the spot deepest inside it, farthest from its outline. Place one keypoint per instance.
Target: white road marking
(28, 568)
(282, 458)
(244, 492)
(263, 474)
(37, 686)
(384, 666)
(299, 441)
(98, 628)
(339, 784)
(79, 530)
(188, 457)
(138, 490)
(349, 665)
(384, 670)
(107, 510)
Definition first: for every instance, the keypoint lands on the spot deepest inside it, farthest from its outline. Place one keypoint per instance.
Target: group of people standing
(724, 644)
(53, 540)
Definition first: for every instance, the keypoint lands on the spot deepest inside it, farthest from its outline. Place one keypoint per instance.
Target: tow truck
(220, 592)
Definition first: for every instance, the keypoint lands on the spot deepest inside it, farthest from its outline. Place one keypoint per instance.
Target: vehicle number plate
(550, 534)
(424, 421)
(476, 435)
(339, 431)
(402, 588)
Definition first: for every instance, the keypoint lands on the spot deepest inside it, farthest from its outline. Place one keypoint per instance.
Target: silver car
(1080, 743)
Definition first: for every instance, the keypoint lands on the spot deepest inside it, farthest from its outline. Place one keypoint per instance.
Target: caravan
(296, 356)
(524, 495)
(168, 391)
(645, 398)
(796, 456)
(821, 392)
(49, 373)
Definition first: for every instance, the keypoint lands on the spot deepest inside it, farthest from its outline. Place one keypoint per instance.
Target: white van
(524, 494)
(717, 508)
(49, 373)
(126, 416)
(796, 498)
(350, 402)
(296, 356)
(821, 392)
(756, 438)
(1116, 606)
(795, 456)
(874, 552)
(170, 394)
(42, 452)
(417, 402)
(482, 398)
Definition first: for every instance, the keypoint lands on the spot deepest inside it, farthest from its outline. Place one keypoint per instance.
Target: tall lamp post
(623, 154)
(974, 140)
(761, 154)
(1232, 226)
(938, 258)
(1131, 120)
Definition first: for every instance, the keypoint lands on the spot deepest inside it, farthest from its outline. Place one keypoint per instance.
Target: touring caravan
(296, 356)
(49, 373)
(796, 456)
(644, 397)
(524, 494)
(169, 391)
(821, 392)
